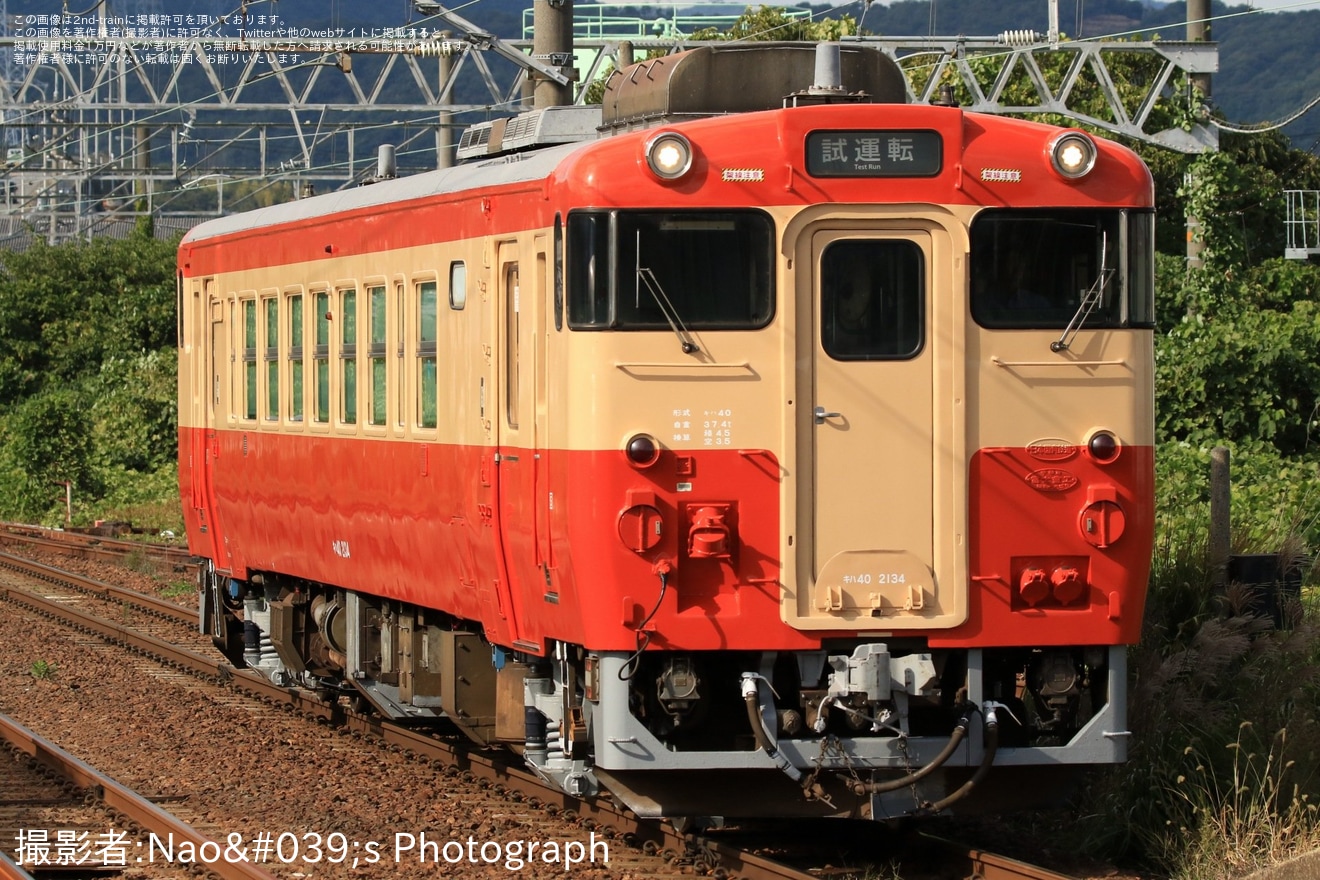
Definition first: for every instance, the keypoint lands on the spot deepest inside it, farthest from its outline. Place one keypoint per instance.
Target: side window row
(358, 342)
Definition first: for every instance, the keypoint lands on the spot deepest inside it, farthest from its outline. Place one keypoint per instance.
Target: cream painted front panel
(1102, 381)
(874, 459)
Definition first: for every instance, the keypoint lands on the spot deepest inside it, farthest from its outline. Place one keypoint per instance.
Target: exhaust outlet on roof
(829, 73)
(386, 165)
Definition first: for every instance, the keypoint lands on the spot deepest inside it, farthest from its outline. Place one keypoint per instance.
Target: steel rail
(69, 548)
(593, 813)
(596, 813)
(96, 545)
(153, 604)
(989, 866)
(120, 798)
(10, 871)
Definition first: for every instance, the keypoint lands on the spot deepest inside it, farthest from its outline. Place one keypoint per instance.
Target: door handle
(821, 415)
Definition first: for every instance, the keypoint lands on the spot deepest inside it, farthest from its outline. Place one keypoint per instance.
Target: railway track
(719, 853)
(86, 586)
(82, 841)
(89, 546)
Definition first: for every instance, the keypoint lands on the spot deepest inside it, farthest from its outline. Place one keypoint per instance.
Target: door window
(512, 329)
(872, 300)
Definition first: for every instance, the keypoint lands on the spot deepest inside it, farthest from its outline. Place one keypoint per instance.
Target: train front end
(857, 481)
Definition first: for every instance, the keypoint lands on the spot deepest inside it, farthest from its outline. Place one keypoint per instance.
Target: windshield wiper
(1090, 299)
(646, 278)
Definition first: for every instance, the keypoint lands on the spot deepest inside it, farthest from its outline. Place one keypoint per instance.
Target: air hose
(750, 698)
(988, 758)
(860, 787)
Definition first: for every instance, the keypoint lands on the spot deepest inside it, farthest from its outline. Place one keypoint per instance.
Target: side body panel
(507, 509)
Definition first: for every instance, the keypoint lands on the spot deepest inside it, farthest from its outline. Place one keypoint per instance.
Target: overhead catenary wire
(308, 169)
(51, 148)
(498, 105)
(1114, 36)
(116, 78)
(171, 193)
(1223, 124)
(304, 169)
(1262, 127)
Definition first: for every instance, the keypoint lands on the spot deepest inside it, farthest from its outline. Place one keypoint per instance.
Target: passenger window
(379, 392)
(249, 359)
(401, 368)
(296, 357)
(426, 355)
(321, 356)
(271, 309)
(348, 357)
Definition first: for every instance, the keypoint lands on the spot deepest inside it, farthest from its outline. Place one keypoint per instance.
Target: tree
(1237, 195)
(87, 370)
(48, 440)
(1238, 353)
(64, 310)
(135, 411)
(757, 23)
(772, 23)
(1242, 363)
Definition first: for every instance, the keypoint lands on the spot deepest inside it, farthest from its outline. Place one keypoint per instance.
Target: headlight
(669, 155)
(1073, 154)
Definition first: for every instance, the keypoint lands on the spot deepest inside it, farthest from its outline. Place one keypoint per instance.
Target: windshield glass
(710, 270)
(1031, 269)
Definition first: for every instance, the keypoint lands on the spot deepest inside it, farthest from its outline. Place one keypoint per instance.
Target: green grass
(1223, 776)
(178, 588)
(142, 562)
(1255, 812)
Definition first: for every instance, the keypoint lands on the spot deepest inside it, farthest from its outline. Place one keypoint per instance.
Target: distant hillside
(1267, 61)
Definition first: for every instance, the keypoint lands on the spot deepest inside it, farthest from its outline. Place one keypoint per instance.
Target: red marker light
(642, 450)
(1103, 447)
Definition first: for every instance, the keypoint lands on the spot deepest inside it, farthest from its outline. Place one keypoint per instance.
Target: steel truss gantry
(110, 126)
(1070, 79)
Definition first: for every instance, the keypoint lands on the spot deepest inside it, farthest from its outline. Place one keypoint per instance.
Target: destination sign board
(874, 153)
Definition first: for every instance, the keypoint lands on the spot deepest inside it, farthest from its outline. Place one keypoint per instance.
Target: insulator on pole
(1020, 38)
(439, 48)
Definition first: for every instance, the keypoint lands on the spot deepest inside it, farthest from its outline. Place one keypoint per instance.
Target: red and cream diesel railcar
(792, 460)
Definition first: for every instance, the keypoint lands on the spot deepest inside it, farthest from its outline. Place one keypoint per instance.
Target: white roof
(514, 168)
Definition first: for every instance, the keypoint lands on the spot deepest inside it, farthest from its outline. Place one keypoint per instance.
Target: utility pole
(142, 166)
(1221, 516)
(444, 133)
(1198, 31)
(211, 122)
(552, 44)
